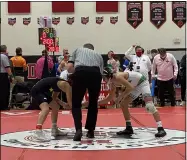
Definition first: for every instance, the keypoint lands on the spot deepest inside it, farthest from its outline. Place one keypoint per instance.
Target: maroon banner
(157, 13)
(134, 13)
(179, 13)
(19, 7)
(110, 6)
(62, 7)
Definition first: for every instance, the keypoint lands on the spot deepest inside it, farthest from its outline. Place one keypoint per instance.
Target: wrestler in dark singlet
(41, 93)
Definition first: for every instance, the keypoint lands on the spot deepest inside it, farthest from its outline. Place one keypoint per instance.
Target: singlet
(135, 78)
(46, 84)
(64, 75)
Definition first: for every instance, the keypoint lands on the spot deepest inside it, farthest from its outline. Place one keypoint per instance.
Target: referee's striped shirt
(87, 57)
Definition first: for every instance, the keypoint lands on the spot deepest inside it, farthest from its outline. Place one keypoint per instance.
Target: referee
(87, 65)
(5, 72)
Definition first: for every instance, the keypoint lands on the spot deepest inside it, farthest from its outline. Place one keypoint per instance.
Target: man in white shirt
(141, 62)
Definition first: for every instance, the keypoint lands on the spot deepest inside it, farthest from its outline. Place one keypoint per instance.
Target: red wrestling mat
(17, 143)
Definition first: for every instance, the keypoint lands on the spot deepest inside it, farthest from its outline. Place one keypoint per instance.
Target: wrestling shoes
(57, 132)
(40, 135)
(161, 132)
(127, 131)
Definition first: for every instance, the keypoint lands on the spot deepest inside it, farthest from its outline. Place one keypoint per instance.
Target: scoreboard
(47, 37)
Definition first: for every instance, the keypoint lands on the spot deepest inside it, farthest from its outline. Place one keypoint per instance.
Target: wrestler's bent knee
(150, 107)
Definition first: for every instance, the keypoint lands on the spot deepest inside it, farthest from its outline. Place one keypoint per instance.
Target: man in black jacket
(183, 79)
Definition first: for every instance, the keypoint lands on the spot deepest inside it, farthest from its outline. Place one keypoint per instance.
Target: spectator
(5, 72)
(63, 63)
(117, 63)
(154, 52)
(166, 66)
(40, 64)
(112, 62)
(60, 59)
(183, 80)
(66, 54)
(19, 64)
(125, 63)
(141, 62)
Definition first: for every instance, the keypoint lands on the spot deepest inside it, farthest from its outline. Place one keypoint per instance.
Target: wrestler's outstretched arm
(109, 97)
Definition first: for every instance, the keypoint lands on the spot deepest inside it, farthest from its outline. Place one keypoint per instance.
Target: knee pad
(150, 107)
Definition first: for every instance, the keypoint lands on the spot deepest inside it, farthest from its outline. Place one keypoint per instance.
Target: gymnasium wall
(106, 36)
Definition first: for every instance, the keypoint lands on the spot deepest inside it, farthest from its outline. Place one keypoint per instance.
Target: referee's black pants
(86, 78)
(4, 91)
(164, 86)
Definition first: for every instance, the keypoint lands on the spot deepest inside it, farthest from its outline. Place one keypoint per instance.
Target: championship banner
(179, 13)
(158, 13)
(134, 13)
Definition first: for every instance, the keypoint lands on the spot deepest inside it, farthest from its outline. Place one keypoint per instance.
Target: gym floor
(18, 126)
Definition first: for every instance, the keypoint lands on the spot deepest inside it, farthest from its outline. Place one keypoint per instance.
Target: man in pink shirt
(40, 64)
(167, 69)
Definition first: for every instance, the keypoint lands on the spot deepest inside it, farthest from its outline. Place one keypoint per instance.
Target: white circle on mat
(105, 139)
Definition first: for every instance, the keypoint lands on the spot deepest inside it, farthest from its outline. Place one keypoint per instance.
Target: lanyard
(138, 61)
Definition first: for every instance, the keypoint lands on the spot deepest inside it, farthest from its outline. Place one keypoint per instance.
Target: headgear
(108, 72)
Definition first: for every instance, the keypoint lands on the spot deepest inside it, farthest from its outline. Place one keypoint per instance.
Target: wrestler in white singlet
(64, 75)
(139, 82)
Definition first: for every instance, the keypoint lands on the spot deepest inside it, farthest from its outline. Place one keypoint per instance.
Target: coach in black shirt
(88, 68)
